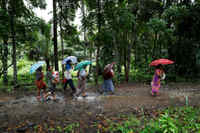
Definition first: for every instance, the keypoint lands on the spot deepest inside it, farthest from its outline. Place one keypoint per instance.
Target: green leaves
(4, 25)
(167, 124)
(157, 25)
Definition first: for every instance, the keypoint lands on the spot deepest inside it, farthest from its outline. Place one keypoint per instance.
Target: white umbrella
(72, 58)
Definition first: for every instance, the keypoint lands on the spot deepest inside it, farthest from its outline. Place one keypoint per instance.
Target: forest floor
(23, 108)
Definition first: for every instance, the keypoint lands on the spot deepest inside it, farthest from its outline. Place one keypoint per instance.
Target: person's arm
(112, 72)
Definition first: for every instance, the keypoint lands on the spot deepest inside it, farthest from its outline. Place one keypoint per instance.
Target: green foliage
(4, 25)
(131, 33)
(157, 25)
(71, 128)
(167, 124)
(172, 120)
(175, 120)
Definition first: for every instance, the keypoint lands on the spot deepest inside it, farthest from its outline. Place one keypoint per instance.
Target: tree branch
(1, 70)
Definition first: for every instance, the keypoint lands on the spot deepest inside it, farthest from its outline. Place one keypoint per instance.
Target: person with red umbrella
(158, 75)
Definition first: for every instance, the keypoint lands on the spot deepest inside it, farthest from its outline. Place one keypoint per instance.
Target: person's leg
(102, 89)
(53, 91)
(38, 89)
(79, 87)
(71, 84)
(154, 91)
(65, 85)
(111, 86)
(83, 88)
(44, 87)
(155, 87)
(38, 93)
(106, 87)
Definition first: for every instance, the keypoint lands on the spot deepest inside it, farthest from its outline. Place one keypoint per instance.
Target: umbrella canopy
(108, 67)
(162, 62)
(82, 64)
(35, 66)
(72, 58)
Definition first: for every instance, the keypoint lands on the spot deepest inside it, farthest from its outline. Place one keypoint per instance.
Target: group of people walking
(107, 86)
(52, 79)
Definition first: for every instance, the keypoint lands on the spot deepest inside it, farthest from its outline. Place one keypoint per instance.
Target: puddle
(33, 100)
(60, 98)
(91, 97)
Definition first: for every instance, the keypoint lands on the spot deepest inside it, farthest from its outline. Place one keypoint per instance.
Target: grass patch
(171, 120)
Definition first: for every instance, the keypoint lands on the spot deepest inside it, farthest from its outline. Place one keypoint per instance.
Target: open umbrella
(35, 66)
(82, 64)
(72, 58)
(161, 61)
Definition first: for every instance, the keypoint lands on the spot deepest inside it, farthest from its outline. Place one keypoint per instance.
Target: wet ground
(18, 108)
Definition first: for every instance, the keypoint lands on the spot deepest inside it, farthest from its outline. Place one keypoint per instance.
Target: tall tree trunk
(127, 54)
(48, 63)
(118, 58)
(97, 65)
(160, 50)
(98, 46)
(61, 35)
(5, 61)
(154, 47)
(128, 63)
(135, 54)
(90, 52)
(12, 24)
(125, 63)
(119, 68)
(55, 35)
(84, 30)
(5, 51)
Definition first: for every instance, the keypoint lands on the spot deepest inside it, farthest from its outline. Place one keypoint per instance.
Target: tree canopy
(131, 33)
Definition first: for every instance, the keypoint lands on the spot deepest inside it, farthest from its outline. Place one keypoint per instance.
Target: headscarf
(68, 65)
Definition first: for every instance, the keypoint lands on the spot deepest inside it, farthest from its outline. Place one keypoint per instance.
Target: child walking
(39, 82)
(52, 80)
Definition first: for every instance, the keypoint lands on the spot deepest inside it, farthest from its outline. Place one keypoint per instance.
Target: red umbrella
(161, 61)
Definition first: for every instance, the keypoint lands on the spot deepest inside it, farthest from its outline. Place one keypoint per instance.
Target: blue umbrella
(35, 66)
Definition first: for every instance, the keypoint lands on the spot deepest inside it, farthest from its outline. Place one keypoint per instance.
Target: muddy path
(15, 109)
